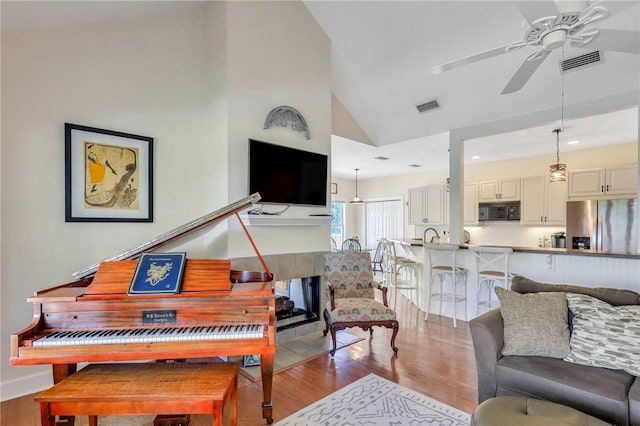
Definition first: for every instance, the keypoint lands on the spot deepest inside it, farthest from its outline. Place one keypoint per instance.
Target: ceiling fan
(550, 25)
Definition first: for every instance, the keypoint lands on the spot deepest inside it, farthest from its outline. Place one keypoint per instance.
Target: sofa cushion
(599, 392)
(534, 324)
(614, 296)
(604, 335)
(634, 403)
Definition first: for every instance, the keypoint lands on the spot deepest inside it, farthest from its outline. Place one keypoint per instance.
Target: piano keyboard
(151, 335)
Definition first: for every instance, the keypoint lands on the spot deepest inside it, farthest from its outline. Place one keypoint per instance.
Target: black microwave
(499, 211)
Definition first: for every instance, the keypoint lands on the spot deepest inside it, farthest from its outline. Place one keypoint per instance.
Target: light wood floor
(433, 358)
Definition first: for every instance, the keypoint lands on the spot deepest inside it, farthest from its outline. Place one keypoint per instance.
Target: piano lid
(179, 232)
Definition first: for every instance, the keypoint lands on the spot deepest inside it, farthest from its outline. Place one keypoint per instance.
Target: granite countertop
(417, 242)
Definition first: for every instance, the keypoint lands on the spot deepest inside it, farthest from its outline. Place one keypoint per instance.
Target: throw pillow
(535, 324)
(604, 335)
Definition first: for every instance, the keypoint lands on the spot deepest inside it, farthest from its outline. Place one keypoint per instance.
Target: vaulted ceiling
(383, 53)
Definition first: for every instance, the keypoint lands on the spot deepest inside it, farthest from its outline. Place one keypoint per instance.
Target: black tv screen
(285, 175)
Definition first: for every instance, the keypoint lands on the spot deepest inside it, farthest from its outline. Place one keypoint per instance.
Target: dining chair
(351, 244)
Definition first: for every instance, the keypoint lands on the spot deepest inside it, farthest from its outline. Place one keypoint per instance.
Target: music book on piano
(158, 273)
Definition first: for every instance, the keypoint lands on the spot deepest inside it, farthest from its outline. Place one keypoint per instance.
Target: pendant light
(558, 171)
(356, 200)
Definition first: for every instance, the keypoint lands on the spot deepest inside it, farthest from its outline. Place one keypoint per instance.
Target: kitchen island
(589, 268)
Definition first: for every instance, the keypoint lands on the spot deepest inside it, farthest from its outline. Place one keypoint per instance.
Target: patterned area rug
(374, 400)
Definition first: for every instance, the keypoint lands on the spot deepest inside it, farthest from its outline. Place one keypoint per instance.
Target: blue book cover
(158, 273)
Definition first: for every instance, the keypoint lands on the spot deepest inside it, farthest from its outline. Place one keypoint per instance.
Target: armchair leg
(333, 340)
(326, 321)
(395, 327)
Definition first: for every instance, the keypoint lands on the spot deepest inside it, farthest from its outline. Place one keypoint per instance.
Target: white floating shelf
(274, 220)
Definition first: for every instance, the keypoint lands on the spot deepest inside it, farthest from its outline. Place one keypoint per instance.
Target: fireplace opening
(297, 302)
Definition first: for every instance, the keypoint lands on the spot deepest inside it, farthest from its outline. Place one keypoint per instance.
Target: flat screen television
(285, 175)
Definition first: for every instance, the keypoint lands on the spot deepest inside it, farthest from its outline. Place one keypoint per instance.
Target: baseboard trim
(25, 385)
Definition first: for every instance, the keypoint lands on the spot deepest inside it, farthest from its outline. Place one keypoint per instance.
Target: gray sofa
(611, 395)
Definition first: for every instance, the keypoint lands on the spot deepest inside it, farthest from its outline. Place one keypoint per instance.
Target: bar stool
(447, 281)
(399, 273)
(492, 270)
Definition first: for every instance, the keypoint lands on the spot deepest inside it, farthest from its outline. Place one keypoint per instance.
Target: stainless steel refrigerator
(606, 225)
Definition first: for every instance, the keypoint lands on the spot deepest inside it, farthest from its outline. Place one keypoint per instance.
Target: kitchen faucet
(434, 239)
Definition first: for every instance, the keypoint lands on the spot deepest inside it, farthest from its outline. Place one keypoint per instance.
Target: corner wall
(200, 83)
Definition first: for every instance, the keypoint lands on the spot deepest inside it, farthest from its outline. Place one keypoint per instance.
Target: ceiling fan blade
(616, 40)
(475, 57)
(534, 10)
(525, 72)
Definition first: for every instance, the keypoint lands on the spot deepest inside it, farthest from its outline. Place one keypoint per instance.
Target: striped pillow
(604, 335)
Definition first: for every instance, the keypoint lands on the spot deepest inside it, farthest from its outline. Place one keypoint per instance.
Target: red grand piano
(218, 312)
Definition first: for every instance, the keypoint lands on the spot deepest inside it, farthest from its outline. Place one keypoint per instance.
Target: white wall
(200, 83)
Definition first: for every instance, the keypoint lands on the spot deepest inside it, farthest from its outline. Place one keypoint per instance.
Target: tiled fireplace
(298, 276)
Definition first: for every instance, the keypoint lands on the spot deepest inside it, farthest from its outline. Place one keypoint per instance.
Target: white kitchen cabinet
(543, 203)
(425, 205)
(611, 181)
(499, 190)
(470, 200)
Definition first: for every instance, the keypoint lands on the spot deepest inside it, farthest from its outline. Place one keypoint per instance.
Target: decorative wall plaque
(284, 115)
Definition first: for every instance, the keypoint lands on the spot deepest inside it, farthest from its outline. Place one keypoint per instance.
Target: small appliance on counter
(558, 240)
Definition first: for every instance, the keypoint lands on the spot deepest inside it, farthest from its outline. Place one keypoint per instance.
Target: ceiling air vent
(580, 61)
(428, 106)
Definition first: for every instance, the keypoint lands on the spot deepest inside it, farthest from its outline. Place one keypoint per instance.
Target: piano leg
(62, 371)
(266, 370)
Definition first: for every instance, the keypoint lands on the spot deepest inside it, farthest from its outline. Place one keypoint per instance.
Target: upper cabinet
(499, 190)
(425, 205)
(611, 181)
(470, 200)
(543, 203)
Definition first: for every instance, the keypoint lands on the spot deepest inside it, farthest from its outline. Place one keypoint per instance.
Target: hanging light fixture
(356, 200)
(558, 171)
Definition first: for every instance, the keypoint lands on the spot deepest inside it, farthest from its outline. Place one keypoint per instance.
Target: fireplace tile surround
(288, 266)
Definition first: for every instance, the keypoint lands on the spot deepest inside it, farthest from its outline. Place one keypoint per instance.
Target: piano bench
(144, 388)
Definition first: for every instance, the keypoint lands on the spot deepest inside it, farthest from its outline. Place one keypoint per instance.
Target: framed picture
(250, 360)
(334, 188)
(108, 175)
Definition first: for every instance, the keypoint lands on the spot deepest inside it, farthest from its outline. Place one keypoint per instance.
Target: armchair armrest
(487, 333)
(332, 296)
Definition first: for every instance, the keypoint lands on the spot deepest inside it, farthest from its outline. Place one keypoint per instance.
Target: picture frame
(334, 188)
(108, 175)
(250, 360)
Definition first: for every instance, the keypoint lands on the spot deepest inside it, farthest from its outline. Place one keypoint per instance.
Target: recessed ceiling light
(475, 157)
(572, 142)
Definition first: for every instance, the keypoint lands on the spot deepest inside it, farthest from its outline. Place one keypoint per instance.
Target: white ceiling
(382, 52)
(382, 55)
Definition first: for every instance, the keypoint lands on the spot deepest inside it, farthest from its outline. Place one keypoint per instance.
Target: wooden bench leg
(46, 419)
(93, 420)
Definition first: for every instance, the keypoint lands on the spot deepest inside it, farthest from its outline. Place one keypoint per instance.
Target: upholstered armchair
(351, 303)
